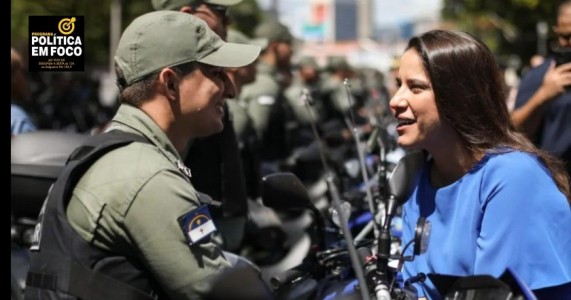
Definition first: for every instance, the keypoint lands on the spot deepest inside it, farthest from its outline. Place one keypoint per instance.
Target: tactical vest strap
(55, 269)
(114, 137)
(87, 284)
(41, 281)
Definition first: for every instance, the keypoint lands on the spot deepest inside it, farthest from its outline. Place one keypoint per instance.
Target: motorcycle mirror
(352, 168)
(421, 236)
(402, 178)
(284, 191)
(346, 207)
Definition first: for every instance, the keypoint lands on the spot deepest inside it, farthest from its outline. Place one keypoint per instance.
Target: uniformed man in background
(264, 98)
(213, 12)
(306, 83)
(215, 160)
(243, 125)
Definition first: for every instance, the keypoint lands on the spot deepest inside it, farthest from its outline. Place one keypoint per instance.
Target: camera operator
(543, 104)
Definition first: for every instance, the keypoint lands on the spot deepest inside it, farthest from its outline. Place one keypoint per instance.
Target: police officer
(215, 159)
(213, 12)
(136, 218)
(264, 98)
(243, 125)
(305, 84)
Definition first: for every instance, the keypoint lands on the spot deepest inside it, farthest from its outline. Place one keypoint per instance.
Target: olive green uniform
(247, 144)
(294, 96)
(267, 108)
(129, 201)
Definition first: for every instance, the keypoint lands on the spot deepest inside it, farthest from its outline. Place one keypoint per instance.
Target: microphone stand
(356, 136)
(337, 204)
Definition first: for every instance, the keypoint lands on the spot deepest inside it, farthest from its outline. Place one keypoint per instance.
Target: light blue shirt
(21, 121)
(506, 212)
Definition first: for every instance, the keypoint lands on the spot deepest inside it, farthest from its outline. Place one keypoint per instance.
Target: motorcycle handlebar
(286, 277)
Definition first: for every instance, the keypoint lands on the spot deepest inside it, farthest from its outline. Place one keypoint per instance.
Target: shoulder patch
(266, 100)
(197, 224)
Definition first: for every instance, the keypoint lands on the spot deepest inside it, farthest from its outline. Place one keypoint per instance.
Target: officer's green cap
(161, 39)
(337, 63)
(235, 36)
(308, 61)
(273, 31)
(177, 4)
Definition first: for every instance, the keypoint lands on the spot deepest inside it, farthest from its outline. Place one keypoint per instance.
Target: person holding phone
(543, 104)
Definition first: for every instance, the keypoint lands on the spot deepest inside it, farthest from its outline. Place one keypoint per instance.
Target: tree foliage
(508, 27)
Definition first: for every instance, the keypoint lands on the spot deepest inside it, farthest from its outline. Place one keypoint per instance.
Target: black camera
(562, 56)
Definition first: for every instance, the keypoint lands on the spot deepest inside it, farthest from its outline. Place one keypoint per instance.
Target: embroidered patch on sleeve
(197, 224)
(266, 100)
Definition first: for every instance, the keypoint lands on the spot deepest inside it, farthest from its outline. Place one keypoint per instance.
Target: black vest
(63, 265)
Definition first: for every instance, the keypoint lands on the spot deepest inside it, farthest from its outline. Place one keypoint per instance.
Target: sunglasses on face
(218, 8)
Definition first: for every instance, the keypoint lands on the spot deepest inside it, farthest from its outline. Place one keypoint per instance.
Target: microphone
(376, 280)
(378, 140)
(373, 141)
(367, 259)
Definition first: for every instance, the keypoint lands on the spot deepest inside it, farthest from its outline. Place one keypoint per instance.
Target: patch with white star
(197, 224)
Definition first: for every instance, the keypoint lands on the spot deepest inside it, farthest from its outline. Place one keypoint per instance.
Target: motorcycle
(329, 272)
(37, 158)
(326, 264)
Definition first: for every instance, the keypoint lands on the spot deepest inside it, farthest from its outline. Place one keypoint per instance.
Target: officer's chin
(214, 127)
(217, 127)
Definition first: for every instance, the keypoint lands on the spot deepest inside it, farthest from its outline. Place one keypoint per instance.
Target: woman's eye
(416, 89)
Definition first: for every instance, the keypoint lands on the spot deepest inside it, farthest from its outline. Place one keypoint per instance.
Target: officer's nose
(229, 88)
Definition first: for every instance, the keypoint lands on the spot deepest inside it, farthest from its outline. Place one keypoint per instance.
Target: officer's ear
(187, 9)
(168, 82)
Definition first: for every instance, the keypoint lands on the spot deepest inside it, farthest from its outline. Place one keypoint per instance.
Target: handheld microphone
(337, 204)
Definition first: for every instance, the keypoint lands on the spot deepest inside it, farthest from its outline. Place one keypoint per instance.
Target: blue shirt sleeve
(525, 225)
(20, 121)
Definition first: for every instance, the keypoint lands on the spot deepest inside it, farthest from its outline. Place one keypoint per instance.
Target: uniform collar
(266, 68)
(132, 119)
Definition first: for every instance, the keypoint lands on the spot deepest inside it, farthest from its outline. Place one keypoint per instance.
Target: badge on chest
(197, 224)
